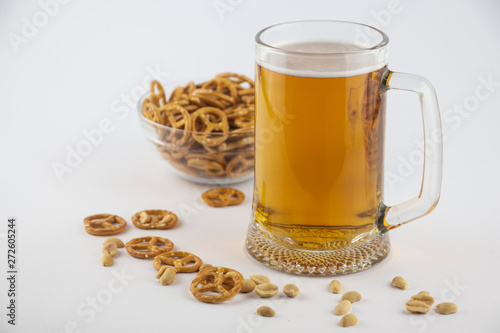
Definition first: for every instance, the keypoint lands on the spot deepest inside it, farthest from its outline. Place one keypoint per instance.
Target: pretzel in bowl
(222, 197)
(207, 119)
(179, 260)
(104, 224)
(157, 95)
(154, 219)
(240, 165)
(224, 281)
(148, 247)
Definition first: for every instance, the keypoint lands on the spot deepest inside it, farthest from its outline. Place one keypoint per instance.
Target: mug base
(351, 259)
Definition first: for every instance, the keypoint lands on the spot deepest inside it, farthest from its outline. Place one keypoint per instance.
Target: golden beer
(319, 157)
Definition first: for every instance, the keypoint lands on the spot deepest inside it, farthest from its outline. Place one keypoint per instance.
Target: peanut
(119, 244)
(247, 286)
(342, 308)
(417, 307)
(160, 272)
(144, 217)
(110, 248)
(351, 296)
(335, 287)
(446, 308)
(348, 320)
(107, 260)
(266, 290)
(423, 296)
(202, 267)
(400, 283)
(291, 290)
(168, 276)
(266, 311)
(260, 279)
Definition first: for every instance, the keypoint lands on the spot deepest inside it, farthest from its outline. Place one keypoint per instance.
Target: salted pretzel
(224, 281)
(236, 78)
(179, 120)
(210, 167)
(222, 197)
(104, 224)
(211, 126)
(148, 247)
(154, 219)
(236, 111)
(151, 112)
(242, 144)
(222, 85)
(245, 121)
(179, 260)
(214, 98)
(240, 165)
(157, 94)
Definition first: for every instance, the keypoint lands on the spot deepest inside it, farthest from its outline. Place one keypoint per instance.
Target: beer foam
(321, 58)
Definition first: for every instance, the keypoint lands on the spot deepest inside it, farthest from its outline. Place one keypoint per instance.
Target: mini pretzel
(157, 96)
(236, 78)
(209, 120)
(225, 281)
(221, 84)
(241, 144)
(223, 196)
(154, 219)
(240, 165)
(104, 224)
(245, 121)
(179, 260)
(147, 247)
(211, 167)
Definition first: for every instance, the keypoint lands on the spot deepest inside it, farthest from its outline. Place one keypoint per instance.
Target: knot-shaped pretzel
(240, 165)
(104, 224)
(179, 260)
(224, 281)
(212, 125)
(243, 144)
(247, 122)
(223, 196)
(237, 78)
(154, 219)
(148, 247)
(157, 95)
(209, 166)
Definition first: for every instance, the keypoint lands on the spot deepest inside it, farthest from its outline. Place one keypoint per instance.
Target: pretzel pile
(207, 128)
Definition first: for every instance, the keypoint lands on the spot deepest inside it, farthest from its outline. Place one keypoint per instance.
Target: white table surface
(88, 57)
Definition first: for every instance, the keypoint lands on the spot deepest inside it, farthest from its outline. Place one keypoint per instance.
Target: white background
(79, 68)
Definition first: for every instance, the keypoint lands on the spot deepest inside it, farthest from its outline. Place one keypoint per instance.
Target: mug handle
(390, 217)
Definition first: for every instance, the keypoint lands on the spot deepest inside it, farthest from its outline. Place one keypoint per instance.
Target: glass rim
(383, 43)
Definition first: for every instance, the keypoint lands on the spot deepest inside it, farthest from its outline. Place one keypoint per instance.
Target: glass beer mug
(320, 92)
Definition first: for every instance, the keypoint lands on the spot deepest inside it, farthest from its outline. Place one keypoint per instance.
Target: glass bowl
(202, 157)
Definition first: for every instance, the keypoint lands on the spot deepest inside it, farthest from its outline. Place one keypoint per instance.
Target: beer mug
(320, 97)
